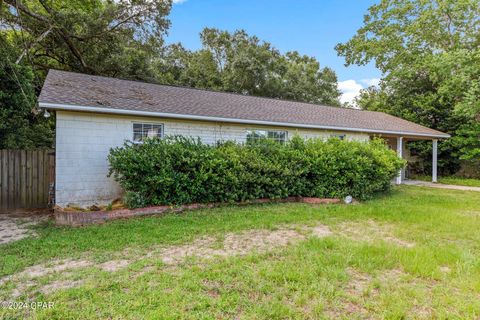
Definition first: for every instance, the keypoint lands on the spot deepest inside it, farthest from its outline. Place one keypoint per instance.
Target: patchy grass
(452, 180)
(412, 254)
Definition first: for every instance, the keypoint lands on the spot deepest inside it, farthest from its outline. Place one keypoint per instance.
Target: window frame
(265, 134)
(161, 125)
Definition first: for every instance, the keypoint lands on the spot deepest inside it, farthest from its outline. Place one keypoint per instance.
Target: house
(94, 114)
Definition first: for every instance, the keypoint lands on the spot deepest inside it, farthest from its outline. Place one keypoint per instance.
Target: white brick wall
(83, 141)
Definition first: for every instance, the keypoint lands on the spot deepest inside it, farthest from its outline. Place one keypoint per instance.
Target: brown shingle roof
(111, 95)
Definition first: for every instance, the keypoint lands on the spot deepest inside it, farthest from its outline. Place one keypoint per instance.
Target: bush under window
(178, 170)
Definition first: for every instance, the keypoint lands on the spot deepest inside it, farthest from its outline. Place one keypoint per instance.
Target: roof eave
(68, 107)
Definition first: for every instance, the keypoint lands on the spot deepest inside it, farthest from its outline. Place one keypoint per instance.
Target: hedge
(178, 170)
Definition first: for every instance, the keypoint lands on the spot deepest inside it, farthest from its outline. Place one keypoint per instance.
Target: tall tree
(107, 37)
(124, 38)
(237, 62)
(429, 53)
(20, 126)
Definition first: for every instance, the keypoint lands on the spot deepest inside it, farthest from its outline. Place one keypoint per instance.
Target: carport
(398, 143)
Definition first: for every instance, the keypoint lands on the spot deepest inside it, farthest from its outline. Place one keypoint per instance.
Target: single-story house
(94, 114)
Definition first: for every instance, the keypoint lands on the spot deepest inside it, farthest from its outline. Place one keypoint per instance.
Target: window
(141, 131)
(339, 136)
(256, 135)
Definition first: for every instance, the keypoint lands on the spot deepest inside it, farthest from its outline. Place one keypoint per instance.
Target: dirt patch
(259, 241)
(42, 270)
(114, 265)
(321, 231)
(212, 288)
(142, 272)
(25, 287)
(56, 266)
(363, 288)
(238, 244)
(445, 269)
(28, 278)
(360, 288)
(22, 287)
(422, 312)
(392, 276)
(356, 289)
(470, 213)
(347, 310)
(14, 227)
(399, 242)
(176, 254)
(370, 231)
(233, 244)
(205, 248)
(398, 278)
(358, 283)
(60, 285)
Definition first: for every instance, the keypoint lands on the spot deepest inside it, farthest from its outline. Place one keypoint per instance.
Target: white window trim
(267, 130)
(161, 124)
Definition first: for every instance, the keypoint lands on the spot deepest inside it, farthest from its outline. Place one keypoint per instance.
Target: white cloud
(178, 1)
(371, 82)
(349, 85)
(351, 88)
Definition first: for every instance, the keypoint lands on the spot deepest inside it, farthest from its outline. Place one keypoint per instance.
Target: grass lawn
(452, 180)
(414, 253)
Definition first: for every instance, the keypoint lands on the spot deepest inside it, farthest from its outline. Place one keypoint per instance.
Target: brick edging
(81, 218)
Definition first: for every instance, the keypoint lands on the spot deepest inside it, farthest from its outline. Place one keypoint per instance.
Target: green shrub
(178, 170)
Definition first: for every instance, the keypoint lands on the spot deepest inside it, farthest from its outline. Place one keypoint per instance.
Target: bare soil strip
(233, 244)
(371, 231)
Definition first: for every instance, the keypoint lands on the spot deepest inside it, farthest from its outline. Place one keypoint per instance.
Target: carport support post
(434, 160)
(400, 155)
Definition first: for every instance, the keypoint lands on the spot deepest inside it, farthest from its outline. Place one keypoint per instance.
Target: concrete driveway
(439, 185)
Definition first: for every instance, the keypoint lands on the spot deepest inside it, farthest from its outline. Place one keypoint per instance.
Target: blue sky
(312, 27)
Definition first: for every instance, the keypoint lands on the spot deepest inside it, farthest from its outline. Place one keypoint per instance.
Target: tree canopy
(125, 39)
(429, 53)
(20, 126)
(237, 62)
(114, 38)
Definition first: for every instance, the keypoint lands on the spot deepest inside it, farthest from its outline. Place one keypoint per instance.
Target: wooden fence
(27, 179)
